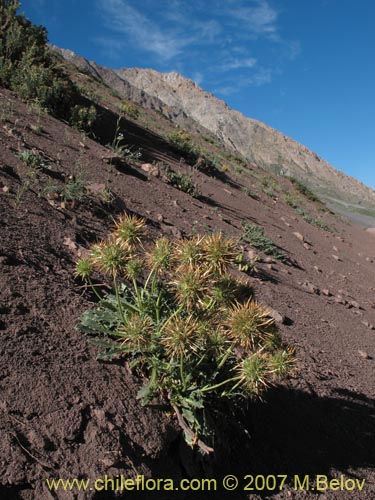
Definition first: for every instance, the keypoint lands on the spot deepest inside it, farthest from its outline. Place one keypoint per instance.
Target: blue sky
(304, 67)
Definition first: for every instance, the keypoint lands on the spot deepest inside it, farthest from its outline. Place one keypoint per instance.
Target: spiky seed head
(136, 333)
(190, 286)
(180, 336)
(84, 268)
(134, 268)
(282, 362)
(109, 258)
(249, 324)
(224, 289)
(189, 252)
(160, 255)
(219, 252)
(254, 374)
(129, 229)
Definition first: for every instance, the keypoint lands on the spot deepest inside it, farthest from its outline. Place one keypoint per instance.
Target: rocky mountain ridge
(182, 100)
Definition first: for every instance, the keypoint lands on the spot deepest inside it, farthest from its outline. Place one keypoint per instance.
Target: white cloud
(207, 40)
(260, 18)
(230, 64)
(126, 20)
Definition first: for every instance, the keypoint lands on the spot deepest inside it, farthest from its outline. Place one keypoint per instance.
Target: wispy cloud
(212, 42)
(260, 18)
(235, 63)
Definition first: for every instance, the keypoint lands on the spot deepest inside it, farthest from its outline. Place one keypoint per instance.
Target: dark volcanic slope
(65, 414)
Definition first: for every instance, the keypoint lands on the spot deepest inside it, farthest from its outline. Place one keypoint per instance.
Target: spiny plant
(183, 322)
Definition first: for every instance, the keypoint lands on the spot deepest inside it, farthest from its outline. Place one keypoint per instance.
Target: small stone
(336, 257)
(268, 260)
(307, 246)
(311, 288)
(5, 189)
(354, 303)
(364, 354)
(335, 249)
(299, 236)
(96, 187)
(151, 169)
(279, 318)
(317, 269)
(340, 300)
(369, 325)
(270, 267)
(326, 292)
(160, 217)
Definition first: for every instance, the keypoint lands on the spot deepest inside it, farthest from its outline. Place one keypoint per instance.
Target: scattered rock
(354, 303)
(68, 242)
(299, 236)
(307, 246)
(310, 287)
(340, 300)
(336, 257)
(271, 267)
(176, 233)
(317, 269)
(151, 169)
(96, 188)
(279, 318)
(364, 354)
(326, 292)
(268, 260)
(369, 325)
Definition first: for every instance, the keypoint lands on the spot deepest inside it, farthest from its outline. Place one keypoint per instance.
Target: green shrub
(130, 110)
(83, 117)
(183, 145)
(180, 323)
(182, 182)
(26, 65)
(254, 235)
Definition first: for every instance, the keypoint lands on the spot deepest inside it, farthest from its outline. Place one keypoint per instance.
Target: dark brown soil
(64, 414)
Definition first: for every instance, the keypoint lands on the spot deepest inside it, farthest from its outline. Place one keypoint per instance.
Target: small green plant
(129, 109)
(74, 190)
(118, 146)
(250, 193)
(83, 117)
(180, 323)
(182, 182)
(183, 144)
(314, 221)
(34, 161)
(304, 190)
(254, 235)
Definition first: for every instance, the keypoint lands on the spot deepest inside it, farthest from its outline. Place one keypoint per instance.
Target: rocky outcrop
(184, 102)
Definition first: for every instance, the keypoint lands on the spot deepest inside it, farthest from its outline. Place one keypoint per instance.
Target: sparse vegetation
(83, 117)
(122, 149)
(181, 324)
(182, 182)
(304, 190)
(26, 65)
(254, 235)
(183, 144)
(130, 110)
